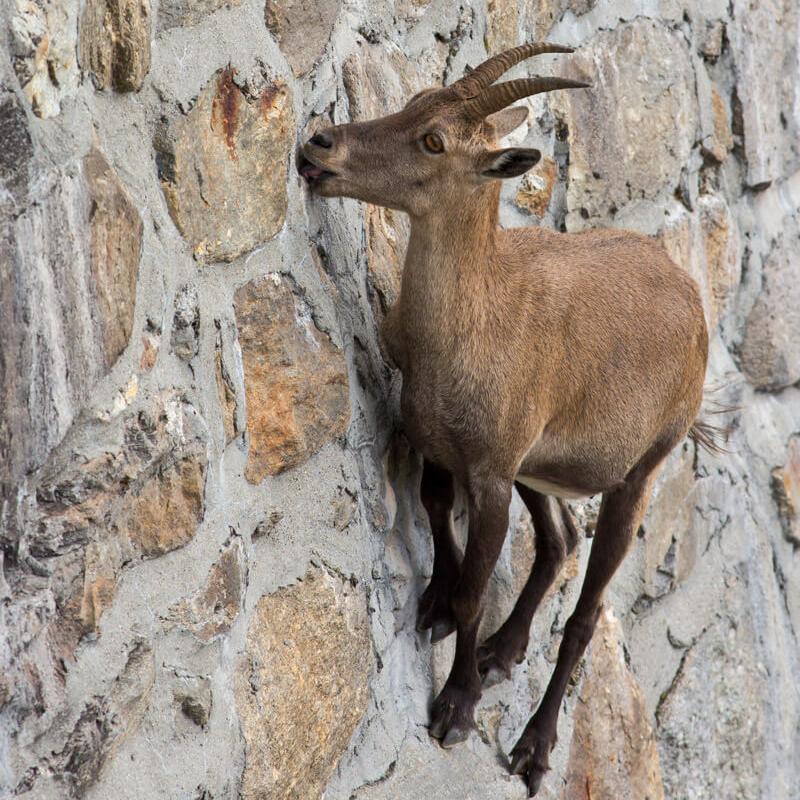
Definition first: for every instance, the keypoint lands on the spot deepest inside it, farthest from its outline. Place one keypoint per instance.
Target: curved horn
(490, 70)
(504, 94)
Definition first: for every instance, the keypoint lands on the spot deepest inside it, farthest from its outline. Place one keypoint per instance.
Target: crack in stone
(782, 582)
(665, 695)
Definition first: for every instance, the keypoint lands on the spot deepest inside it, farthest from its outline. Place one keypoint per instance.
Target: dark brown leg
(452, 712)
(620, 514)
(434, 610)
(556, 537)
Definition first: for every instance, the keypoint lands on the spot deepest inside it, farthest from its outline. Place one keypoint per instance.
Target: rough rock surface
(733, 685)
(42, 47)
(613, 752)
(302, 28)
(211, 610)
(764, 41)
(211, 542)
(172, 13)
(106, 722)
(306, 664)
(644, 92)
(115, 231)
(223, 166)
(71, 252)
(296, 388)
(770, 356)
(115, 43)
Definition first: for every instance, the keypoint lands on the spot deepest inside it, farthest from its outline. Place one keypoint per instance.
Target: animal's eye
(433, 143)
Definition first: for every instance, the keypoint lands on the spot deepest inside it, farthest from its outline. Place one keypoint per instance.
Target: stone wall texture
(211, 541)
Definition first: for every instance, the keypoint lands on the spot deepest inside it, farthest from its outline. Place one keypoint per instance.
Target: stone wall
(212, 543)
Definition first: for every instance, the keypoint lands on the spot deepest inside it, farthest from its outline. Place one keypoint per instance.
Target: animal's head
(443, 141)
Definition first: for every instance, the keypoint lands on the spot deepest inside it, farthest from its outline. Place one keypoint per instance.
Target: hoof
(496, 658)
(455, 736)
(441, 629)
(452, 716)
(434, 613)
(530, 756)
(494, 676)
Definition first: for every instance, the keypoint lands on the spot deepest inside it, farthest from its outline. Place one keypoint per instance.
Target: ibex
(566, 365)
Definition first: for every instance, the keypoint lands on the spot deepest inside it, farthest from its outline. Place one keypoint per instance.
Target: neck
(451, 248)
(451, 271)
(457, 235)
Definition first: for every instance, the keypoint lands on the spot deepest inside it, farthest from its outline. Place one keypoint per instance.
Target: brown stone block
(536, 188)
(165, 513)
(307, 662)
(786, 491)
(115, 230)
(224, 166)
(211, 610)
(613, 752)
(302, 28)
(115, 43)
(296, 386)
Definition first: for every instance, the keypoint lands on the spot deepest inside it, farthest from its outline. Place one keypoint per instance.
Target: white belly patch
(545, 487)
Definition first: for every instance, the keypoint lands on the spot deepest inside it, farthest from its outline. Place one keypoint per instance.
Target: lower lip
(310, 179)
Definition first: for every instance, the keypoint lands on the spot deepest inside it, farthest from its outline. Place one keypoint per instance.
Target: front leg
(452, 715)
(436, 492)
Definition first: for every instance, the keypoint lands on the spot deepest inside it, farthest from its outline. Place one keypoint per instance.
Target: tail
(713, 438)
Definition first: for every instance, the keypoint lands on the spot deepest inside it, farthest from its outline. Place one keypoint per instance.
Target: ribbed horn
(504, 94)
(490, 70)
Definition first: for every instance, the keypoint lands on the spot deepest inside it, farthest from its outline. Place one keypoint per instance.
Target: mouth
(313, 173)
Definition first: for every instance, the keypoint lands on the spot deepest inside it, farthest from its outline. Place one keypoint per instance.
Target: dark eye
(433, 143)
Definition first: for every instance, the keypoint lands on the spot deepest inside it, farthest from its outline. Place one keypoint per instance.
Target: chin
(325, 185)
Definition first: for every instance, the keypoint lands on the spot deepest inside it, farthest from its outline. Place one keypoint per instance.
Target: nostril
(322, 140)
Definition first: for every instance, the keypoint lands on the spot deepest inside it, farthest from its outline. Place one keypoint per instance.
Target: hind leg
(434, 610)
(620, 515)
(556, 537)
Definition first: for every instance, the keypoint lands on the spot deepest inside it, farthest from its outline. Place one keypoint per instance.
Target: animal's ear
(507, 120)
(508, 163)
